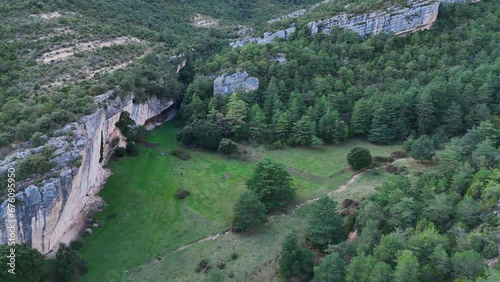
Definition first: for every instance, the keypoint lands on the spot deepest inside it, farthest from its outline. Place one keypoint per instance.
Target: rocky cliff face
(51, 210)
(227, 84)
(417, 16)
(266, 38)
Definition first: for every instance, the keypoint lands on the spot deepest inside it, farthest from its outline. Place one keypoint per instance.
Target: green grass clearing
(150, 221)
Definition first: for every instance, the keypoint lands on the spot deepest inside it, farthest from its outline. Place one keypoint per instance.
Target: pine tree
(332, 268)
(426, 110)
(272, 184)
(248, 212)
(281, 126)
(304, 131)
(379, 131)
(422, 148)
(258, 127)
(295, 260)
(407, 268)
(325, 225)
(331, 128)
(361, 117)
(453, 119)
(237, 116)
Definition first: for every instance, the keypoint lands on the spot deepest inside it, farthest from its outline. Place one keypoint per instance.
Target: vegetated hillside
(439, 82)
(56, 55)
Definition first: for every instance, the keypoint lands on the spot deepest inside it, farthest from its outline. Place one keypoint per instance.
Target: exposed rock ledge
(48, 211)
(228, 84)
(417, 15)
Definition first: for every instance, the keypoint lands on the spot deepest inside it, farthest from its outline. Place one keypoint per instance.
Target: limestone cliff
(47, 211)
(414, 16)
(399, 20)
(227, 84)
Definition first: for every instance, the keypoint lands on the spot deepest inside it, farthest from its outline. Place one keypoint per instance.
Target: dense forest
(336, 86)
(37, 98)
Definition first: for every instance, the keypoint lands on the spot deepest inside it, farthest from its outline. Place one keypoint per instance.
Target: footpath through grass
(143, 220)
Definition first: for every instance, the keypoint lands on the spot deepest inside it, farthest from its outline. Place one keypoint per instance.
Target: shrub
(399, 154)
(359, 157)
(76, 245)
(202, 133)
(226, 146)
(248, 211)
(234, 256)
(131, 149)
(180, 154)
(120, 152)
(182, 193)
(111, 215)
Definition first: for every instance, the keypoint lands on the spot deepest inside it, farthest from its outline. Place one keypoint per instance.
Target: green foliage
(359, 157)
(325, 225)
(331, 268)
(407, 268)
(422, 148)
(272, 184)
(201, 133)
(120, 152)
(467, 264)
(226, 146)
(248, 212)
(68, 266)
(295, 260)
(28, 264)
(361, 117)
(467, 211)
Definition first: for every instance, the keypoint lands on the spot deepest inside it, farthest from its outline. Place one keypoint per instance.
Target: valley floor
(143, 223)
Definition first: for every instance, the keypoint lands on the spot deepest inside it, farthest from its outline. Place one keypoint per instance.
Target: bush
(120, 152)
(359, 157)
(399, 154)
(76, 245)
(182, 193)
(202, 133)
(226, 146)
(180, 154)
(131, 149)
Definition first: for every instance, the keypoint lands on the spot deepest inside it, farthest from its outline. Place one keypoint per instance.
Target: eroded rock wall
(49, 210)
(399, 20)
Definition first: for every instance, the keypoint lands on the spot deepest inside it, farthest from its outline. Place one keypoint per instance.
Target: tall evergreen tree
(332, 268)
(325, 225)
(295, 260)
(237, 111)
(407, 268)
(248, 212)
(361, 118)
(422, 148)
(272, 184)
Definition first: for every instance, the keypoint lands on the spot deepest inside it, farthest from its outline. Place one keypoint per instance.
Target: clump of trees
(28, 264)
(68, 265)
(295, 260)
(359, 157)
(270, 188)
(272, 184)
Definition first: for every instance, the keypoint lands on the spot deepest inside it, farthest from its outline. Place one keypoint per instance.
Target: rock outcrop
(227, 84)
(47, 210)
(266, 38)
(399, 20)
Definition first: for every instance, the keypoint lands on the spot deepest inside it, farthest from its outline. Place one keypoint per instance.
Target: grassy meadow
(144, 222)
